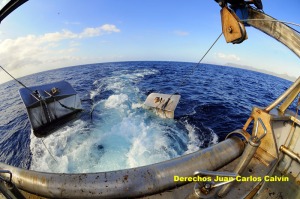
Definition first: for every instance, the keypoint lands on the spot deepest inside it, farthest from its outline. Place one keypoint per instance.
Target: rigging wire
(48, 150)
(41, 102)
(64, 106)
(16, 79)
(193, 69)
(186, 76)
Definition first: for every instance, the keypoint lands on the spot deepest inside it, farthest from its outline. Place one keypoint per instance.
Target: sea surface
(215, 100)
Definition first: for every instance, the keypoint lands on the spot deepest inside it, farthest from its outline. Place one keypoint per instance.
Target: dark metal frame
(9, 7)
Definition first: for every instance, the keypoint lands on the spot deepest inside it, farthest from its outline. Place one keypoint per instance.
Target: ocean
(215, 100)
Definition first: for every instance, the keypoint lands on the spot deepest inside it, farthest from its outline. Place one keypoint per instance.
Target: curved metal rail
(135, 182)
(278, 30)
(10, 7)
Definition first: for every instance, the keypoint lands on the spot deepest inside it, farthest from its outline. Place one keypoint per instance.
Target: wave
(122, 134)
(215, 101)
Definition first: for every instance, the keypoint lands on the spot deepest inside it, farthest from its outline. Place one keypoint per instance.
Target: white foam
(136, 105)
(95, 82)
(115, 101)
(194, 142)
(62, 145)
(214, 138)
(149, 146)
(122, 134)
(93, 94)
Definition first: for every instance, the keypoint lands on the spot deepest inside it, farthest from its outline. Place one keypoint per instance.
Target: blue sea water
(215, 100)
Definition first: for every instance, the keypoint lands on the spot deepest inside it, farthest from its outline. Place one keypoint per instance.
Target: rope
(16, 80)
(49, 151)
(44, 108)
(67, 107)
(192, 71)
(64, 106)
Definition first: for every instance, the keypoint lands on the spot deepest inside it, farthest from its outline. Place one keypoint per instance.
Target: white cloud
(109, 28)
(181, 33)
(42, 52)
(92, 32)
(228, 57)
(57, 36)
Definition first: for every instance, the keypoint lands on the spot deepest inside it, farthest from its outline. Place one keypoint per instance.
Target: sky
(49, 34)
